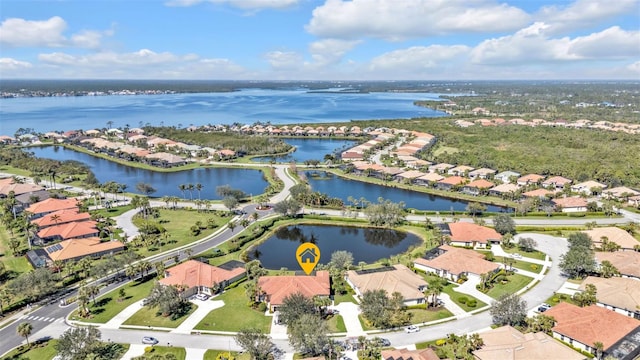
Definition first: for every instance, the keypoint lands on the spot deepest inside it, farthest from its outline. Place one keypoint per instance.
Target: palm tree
(190, 187)
(24, 330)
(55, 218)
(182, 188)
(199, 188)
(231, 225)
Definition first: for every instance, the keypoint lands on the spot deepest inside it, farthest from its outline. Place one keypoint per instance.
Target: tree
(385, 213)
(230, 202)
(599, 346)
(24, 330)
(78, 342)
(341, 260)
(586, 297)
(579, 260)
(145, 188)
(509, 309)
(540, 322)
(475, 208)
(294, 306)
(607, 269)
(384, 311)
(289, 207)
(527, 244)
(231, 225)
(504, 224)
(308, 335)
(258, 345)
(168, 301)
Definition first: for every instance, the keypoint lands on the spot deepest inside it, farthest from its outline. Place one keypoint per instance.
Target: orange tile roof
(194, 273)
(457, 261)
(65, 216)
(480, 184)
(570, 202)
(469, 232)
(79, 248)
(278, 288)
(452, 180)
(530, 178)
(7, 186)
(51, 205)
(70, 230)
(404, 354)
(556, 180)
(538, 193)
(590, 324)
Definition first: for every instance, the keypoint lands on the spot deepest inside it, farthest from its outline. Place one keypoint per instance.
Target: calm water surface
(166, 183)
(309, 149)
(342, 188)
(246, 106)
(366, 244)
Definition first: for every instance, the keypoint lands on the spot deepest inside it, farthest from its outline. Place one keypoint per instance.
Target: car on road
(149, 340)
(202, 297)
(544, 307)
(411, 329)
(516, 256)
(382, 342)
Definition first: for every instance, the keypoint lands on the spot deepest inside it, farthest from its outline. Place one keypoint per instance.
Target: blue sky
(320, 39)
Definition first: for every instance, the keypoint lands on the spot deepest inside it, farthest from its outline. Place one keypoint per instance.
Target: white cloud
(533, 45)
(284, 60)
(242, 4)
(330, 51)
(584, 13)
(8, 64)
(634, 67)
(417, 58)
(21, 33)
(402, 19)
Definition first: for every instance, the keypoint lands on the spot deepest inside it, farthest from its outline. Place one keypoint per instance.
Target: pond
(310, 149)
(338, 187)
(166, 183)
(366, 244)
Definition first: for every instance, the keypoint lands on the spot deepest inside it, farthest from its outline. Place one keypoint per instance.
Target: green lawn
(455, 296)
(533, 254)
(108, 305)
(44, 351)
(178, 224)
(178, 352)
(527, 266)
(336, 324)
(516, 282)
(213, 355)
(235, 315)
(147, 317)
(348, 297)
(555, 299)
(423, 316)
(114, 211)
(365, 324)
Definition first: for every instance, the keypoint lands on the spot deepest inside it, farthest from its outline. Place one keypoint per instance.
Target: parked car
(412, 329)
(516, 256)
(382, 342)
(202, 297)
(544, 307)
(149, 340)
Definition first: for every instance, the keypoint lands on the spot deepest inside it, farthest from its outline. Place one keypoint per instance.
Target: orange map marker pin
(308, 256)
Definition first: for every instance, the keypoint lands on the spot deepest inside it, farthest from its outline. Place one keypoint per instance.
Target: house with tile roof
(451, 262)
(506, 176)
(61, 217)
(507, 343)
(8, 185)
(620, 193)
(405, 354)
(619, 294)
(557, 182)
(196, 277)
(477, 187)
(529, 179)
(474, 235)
(73, 230)
(48, 206)
(396, 278)
(460, 170)
(627, 262)
(581, 327)
(276, 288)
(440, 168)
(538, 193)
(450, 182)
(428, 179)
(76, 249)
(587, 187)
(482, 173)
(570, 204)
(504, 190)
(613, 234)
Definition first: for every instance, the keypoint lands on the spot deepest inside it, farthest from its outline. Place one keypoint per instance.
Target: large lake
(246, 106)
(166, 183)
(366, 244)
(338, 187)
(310, 149)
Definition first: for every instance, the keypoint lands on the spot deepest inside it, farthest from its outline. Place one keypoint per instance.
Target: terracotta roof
(70, 230)
(623, 293)
(480, 184)
(452, 180)
(64, 216)
(570, 202)
(538, 193)
(557, 181)
(51, 205)
(532, 178)
(411, 174)
(505, 188)
(431, 177)
(627, 262)
(192, 273)
(79, 248)
(469, 232)
(404, 354)
(590, 324)
(278, 288)
(507, 343)
(457, 261)
(399, 279)
(619, 191)
(614, 234)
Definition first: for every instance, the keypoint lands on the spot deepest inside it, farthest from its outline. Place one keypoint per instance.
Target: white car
(412, 329)
(149, 340)
(516, 256)
(202, 297)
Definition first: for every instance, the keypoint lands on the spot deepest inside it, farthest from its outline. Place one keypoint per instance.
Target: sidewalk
(469, 288)
(450, 305)
(123, 315)
(204, 308)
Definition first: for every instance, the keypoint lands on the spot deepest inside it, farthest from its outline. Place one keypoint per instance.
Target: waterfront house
(504, 190)
(477, 187)
(276, 288)
(408, 176)
(396, 278)
(196, 277)
(450, 183)
(470, 234)
(482, 173)
(428, 179)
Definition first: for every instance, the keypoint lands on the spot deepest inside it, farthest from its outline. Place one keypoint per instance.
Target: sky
(320, 39)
